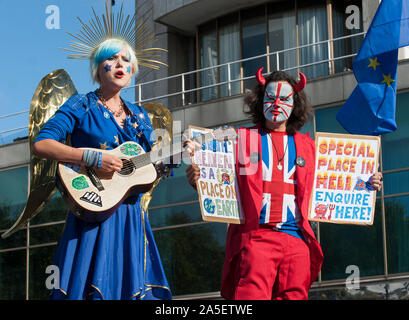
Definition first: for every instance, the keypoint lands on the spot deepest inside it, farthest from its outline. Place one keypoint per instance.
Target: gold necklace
(104, 103)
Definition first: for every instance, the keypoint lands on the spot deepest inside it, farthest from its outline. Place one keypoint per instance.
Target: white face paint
(116, 71)
(278, 101)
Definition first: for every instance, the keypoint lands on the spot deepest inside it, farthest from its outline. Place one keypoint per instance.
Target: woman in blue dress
(117, 258)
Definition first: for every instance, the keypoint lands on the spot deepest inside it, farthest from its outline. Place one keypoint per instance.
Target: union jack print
(279, 206)
(363, 185)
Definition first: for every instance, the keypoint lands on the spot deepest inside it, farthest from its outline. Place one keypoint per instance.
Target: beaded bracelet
(92, 158)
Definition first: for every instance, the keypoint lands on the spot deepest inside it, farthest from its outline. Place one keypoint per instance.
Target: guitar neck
(156, 155)
(167, 151)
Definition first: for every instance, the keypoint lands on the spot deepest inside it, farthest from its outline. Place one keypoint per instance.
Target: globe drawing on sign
(209, 206)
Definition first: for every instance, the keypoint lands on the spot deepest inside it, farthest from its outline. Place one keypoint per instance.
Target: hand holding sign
(376, 181)
(192, 175)
(213, 175)
(345, 179)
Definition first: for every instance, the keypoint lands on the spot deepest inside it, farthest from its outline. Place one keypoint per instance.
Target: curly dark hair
(302, 110)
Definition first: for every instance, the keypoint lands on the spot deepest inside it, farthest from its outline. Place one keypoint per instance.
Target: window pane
(208, 58)
(325, 120)
(312, 28)
(396, 182)
(345, 245)
(229, 50)
(244, 125)
(173, 189)
(175, 215)
(13, 195)
(13, 275)
(55, 210)
(193, 257)
(397, 233)
(308, 128)
(253, 42)
(282, 35)
(394, 155)
(15, 240)
(46, 234)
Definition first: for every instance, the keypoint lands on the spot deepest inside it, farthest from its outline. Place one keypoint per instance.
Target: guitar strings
(139, 162)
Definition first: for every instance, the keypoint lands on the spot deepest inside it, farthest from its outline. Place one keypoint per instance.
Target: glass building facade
(191, 249)
(282, 31)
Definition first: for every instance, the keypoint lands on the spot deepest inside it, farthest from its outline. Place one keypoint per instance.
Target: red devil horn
(260, 78)
(301, 84)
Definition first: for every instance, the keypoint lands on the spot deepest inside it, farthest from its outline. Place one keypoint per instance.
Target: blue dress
(115, 259)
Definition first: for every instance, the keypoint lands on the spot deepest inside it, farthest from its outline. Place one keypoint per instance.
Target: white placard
(217, 186)
(344, 165)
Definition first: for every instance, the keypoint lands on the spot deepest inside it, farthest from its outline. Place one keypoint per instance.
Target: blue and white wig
(106, 50)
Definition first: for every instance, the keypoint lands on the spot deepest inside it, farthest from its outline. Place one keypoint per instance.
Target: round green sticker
(80, 183)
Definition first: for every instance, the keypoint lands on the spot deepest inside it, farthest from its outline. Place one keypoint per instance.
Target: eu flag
(371, 107)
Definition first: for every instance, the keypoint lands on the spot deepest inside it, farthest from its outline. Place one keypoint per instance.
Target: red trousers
(273, 265)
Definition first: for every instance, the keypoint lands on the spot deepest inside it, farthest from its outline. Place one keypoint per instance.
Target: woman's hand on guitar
(110, 163)
(192, 174)
(102, 161)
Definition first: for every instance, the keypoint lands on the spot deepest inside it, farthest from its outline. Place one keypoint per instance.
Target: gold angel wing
(52, 91)
(161, 119)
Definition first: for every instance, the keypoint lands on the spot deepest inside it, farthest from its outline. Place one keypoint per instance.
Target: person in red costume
(274, 254)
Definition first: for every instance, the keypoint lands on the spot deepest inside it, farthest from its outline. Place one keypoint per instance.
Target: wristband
(99, 163)
(92, 158)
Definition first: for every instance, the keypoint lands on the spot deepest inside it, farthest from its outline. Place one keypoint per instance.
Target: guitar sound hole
(127, 167)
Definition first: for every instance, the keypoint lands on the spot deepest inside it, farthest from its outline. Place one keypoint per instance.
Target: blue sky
(29, 51)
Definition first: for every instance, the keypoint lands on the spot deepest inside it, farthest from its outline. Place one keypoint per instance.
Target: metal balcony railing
(191, 93)
(181, 80)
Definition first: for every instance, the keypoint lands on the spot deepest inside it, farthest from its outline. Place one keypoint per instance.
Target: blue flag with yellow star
(370, 109)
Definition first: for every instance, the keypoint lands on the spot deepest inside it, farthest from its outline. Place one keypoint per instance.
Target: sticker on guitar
(93, 198)
(80, 183)
(130, 149)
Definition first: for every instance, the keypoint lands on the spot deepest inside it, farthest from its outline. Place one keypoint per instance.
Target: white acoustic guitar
(94, 195)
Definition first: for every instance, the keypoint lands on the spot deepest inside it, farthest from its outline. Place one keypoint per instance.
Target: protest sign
(217, 185)
(344, 166)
